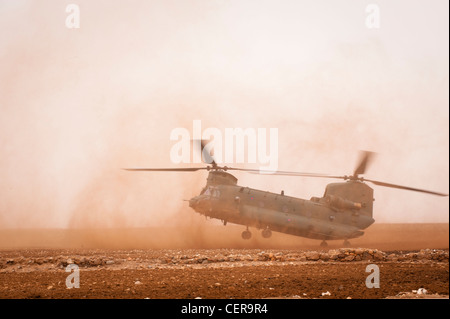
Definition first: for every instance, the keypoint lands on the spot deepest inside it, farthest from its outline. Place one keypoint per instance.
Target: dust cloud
(78, 105)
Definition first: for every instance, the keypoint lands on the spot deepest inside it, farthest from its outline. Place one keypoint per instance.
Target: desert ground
(215, 263)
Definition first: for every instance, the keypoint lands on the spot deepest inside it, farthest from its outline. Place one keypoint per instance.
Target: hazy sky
(77, 105)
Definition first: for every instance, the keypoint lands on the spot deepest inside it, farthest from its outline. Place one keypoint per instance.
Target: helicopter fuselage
(329, 217)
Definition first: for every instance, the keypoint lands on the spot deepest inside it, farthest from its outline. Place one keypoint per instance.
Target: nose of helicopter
(200, 203)
(193, 202)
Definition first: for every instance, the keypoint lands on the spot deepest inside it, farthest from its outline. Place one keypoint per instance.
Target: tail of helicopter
(351, 195)
(354, 194)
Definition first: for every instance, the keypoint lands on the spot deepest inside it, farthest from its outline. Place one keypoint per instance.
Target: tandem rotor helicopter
(342, 213)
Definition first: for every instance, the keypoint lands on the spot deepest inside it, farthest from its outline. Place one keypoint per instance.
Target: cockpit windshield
(211, 191)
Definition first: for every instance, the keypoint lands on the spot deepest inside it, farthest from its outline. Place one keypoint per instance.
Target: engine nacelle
(341, 203)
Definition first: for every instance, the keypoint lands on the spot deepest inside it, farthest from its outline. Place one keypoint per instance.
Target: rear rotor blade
(404, 187)
(364, 160)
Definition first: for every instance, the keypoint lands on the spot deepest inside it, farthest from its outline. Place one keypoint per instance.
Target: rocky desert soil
(406, 270)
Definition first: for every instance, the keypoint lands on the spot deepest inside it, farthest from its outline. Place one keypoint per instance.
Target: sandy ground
(216, 263)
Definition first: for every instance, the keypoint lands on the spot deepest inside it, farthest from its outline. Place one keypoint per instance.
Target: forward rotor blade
(209, 159)
(404, 187)
(187, 169)
(286, 173)
(364, 160)
(250, 170)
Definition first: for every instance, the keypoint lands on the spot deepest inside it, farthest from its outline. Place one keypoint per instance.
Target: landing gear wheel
(347, 244)
(324, 244)
(266, 233)
(246, 234)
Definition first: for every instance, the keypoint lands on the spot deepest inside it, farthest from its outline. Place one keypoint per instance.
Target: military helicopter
(342, 213)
